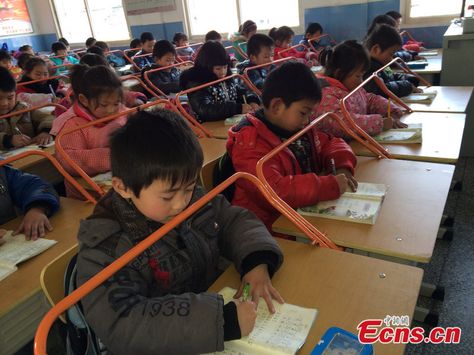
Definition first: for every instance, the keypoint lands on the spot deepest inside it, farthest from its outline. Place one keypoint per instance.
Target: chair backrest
(207, 174)
(52, 277)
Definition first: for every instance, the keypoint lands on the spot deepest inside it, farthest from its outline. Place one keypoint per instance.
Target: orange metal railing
(20, 112)
(274, 62)
(291, 48)
(332, 42)
(140, 82)
(403, 66)
(153, 86)
(59, 77)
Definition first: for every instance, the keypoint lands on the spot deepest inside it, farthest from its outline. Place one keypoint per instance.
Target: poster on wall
(14, 18)
(139, 7)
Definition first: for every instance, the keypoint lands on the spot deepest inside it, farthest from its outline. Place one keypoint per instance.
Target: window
(419, 10)
(102, 19)
(225, 16)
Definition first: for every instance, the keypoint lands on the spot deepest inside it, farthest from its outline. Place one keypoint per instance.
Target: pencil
(52, 91)
(245, 99)
(333, 166)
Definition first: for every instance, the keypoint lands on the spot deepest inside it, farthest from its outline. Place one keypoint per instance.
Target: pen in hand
(333, 166)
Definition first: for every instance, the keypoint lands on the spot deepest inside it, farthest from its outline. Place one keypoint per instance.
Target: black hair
(96, 50)
(379, 20)
(281, 34)
(313, 28)
(7, 81)
(57, 46)
(135, 43)
(394, 14)
(63, 40)
(291, 82)
(24, 48)
(247, 27)
(146, 36)
(155, 145)
(211, 54)
(32, 63)
(94, 81)
(23, 58)
(212, 36)
(103, 45)
(257, 42)
(162, 48)
(179, 36)
(385, 36)
(344, 58)
(90, 42)
(92, 60)
(4, 55)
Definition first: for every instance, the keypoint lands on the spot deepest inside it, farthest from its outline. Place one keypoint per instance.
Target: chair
(207, 174)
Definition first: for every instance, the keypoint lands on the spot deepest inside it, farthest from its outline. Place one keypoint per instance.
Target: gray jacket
(157, 304)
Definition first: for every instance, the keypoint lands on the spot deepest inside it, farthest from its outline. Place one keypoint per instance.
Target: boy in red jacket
(301, 173)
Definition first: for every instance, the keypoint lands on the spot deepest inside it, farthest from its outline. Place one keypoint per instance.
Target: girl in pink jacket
(99, 94)
(345, 66)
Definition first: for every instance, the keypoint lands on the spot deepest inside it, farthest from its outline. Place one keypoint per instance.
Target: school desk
(449, 99)
(442, 137)
(22, 304)
(409, 219)
(345, 289)
(432, 71)
(218, 129)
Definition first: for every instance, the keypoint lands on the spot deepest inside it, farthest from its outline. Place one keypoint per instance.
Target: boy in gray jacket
(158, 303)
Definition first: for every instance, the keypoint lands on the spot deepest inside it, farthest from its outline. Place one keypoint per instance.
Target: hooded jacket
(251, 139)
(216, 102)
(368, 110)
(158, 303)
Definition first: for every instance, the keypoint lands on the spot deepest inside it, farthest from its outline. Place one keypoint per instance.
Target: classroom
(236, 177)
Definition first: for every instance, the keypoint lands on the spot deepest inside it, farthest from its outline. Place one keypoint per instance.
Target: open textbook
(17, 249)
(420, 97)
(412, 134)
(233, 120)
(362, 206)
(104, 179)
(13, 152)
(281, 333)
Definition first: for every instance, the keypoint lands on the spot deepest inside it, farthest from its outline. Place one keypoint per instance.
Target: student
(96, 50)
(6, 61)
(59, 50)
(135, 44)
(301, 174)
(397, 17)
(382, 43)
(90, 42)
(26, 48)
(345, 66)
(158, 303)
(66, 43)
(220, 101)
(180, 39)
(33, 197)
(22, 59)
(213, 36)
(148, 42)
(98, 93)
(167, 80)
(238, 39)
(260, 51)
(313, 31)
(21, 129)
(409, 45)
(283, 37)
(114, 60)
(38, 93)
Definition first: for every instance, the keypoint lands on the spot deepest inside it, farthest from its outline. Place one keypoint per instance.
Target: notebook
(417, 64)
(233, 120)
(104, 179)
(17, 249)
(281, 333)
(362, 206)
(428, 54)
(412, 134)
(420, 97)
(13, 152)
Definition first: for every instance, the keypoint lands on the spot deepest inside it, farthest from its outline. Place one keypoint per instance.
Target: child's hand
(20, 140)
(2, 233)
(417, 57)
(43, 138)
(342, 182)
(34, 224)
(246, 108)
(387, 123)
(246, 314)
(255, 106)
(260, 286)
(399, 124)
(351, 181)
(416, 89)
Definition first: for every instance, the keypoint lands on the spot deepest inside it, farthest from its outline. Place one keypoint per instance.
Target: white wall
(158, 17)
(41, 16)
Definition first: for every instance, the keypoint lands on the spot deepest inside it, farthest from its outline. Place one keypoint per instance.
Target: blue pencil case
(417, 65)
(340, 341)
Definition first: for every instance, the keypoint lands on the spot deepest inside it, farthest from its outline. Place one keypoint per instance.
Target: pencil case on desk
(339, 341)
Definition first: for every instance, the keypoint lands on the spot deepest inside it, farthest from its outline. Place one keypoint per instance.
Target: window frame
(423, 21)
(57, 24)
(200, 38)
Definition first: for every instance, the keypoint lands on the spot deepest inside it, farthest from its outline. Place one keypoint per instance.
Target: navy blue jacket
(256, 76)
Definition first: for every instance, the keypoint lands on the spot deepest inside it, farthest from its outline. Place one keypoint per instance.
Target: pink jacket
(88, 147)
(368, 110)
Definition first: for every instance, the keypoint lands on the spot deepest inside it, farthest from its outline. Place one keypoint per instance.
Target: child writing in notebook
(312, 33)
(158, 303)
(147, 43)
(181, 42)
(239, 39)
(283, 37)
(301, 174)
(344, 68)
(260, 51)
(61, 56)
(382, 43)
(220, 101)
(21, 129)
(167, 80)
(98, 93)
